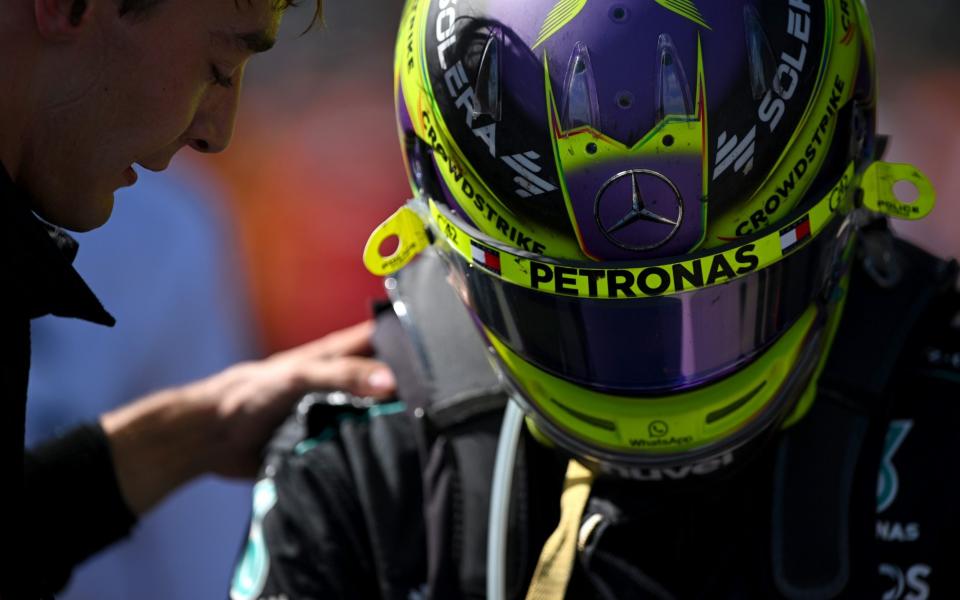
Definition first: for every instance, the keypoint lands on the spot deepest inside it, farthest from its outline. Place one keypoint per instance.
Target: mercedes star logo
(638, 210)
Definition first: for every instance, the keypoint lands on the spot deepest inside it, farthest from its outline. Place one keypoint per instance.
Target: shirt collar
(36, 262)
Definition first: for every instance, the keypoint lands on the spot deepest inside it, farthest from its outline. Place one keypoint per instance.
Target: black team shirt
(61, 502)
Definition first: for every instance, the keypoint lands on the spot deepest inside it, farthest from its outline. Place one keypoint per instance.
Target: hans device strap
(814, 486)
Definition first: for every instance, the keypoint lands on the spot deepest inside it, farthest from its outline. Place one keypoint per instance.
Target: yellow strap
(556, 559)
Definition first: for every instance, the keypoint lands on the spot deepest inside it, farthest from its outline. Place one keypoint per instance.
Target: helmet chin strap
(503, 470)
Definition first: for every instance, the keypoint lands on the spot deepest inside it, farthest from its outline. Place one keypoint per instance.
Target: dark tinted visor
(648, 345)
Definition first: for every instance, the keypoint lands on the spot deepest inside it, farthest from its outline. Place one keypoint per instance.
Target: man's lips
(130, 176)
(156, 163)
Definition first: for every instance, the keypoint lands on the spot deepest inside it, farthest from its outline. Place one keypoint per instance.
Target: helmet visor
(649, 328)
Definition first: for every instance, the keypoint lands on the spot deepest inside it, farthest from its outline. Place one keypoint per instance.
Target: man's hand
(220, 424)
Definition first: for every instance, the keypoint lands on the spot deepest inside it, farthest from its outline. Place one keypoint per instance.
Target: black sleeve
(306, 537)
(338, 516)
(73, 505)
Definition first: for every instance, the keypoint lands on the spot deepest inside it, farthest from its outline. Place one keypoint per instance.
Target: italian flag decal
(487, 258)
(796, 233)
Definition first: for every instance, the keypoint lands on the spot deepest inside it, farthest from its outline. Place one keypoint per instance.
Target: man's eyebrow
(252, 41)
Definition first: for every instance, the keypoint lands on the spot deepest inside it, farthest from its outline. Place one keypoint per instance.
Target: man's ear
(59, 20)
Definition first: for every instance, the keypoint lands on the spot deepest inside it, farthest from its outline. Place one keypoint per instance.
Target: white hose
(500, 501)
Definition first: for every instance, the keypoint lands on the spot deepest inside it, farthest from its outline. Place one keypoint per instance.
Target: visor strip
(580, 280)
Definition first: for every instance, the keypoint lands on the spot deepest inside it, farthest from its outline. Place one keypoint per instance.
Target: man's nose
(213, 124)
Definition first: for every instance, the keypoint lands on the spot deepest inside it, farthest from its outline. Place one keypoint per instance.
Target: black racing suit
(860, 500)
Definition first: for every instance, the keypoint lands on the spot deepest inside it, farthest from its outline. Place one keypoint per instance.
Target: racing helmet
(648, 207)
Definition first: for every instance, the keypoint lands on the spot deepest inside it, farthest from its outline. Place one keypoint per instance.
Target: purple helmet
(646, 205)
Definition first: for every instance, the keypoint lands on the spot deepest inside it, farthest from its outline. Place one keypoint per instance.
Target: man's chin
(82, 215)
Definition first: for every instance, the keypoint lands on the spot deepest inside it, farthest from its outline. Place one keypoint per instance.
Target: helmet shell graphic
(646, 206)
(617, 131)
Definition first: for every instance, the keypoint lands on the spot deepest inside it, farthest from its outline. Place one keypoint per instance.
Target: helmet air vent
(759, 55)
(579, 106)
(487, 84)
(673, 91)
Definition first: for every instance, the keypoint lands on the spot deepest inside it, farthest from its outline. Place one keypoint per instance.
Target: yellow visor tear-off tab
(411, 233)
(879, 195)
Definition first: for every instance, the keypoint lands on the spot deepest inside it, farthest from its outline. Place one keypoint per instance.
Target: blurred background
(258, 249)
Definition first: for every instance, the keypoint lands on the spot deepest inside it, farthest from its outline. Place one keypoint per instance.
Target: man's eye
(219, 78)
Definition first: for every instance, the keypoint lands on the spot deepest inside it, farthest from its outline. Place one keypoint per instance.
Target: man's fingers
(356, 375)
(352, 341)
